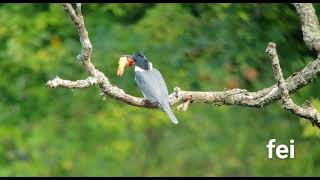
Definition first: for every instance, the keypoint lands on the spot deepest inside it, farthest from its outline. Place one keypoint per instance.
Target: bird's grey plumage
(154, 89)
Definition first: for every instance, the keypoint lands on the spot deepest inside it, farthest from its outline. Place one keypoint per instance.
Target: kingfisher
(149, 80)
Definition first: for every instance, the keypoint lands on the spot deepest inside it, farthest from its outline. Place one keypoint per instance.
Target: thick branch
(310, 25)
(307, 112)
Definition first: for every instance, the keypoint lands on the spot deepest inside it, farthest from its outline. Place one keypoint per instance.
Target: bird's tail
(171, 115)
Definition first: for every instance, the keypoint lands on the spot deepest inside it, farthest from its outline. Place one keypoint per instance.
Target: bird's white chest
(138, 69)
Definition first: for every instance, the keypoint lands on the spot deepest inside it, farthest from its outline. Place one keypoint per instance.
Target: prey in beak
(124, 61)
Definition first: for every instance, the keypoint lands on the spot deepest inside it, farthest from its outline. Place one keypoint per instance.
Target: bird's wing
(162, 83)
(152, 86)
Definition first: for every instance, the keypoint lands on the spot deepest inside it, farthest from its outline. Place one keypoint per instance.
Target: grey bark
(310, 25)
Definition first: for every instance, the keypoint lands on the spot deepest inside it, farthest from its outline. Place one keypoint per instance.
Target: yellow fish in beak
(124, 61)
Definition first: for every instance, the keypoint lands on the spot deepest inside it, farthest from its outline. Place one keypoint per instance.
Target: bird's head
(137, 59)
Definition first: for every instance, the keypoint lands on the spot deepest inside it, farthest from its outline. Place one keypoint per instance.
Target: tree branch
(96, 77)
(240, 97)
(78, 21)
(57, 82)
(310, 25)
(307, 112)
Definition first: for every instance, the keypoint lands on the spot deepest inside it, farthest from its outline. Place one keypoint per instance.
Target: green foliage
(60, 132)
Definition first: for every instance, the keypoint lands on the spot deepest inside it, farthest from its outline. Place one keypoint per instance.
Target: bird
(149, 80)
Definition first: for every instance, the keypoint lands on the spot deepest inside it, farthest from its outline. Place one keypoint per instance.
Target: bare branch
(310, 25)
(78, 21)
(307, 112)
(242, 97)
(57, 82)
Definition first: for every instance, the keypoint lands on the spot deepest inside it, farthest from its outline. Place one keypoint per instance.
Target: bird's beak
(124, 61)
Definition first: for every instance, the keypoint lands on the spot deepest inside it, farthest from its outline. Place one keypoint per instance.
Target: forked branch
(307, 111)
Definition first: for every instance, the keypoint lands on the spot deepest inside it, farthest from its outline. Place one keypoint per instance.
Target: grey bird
(149, 80)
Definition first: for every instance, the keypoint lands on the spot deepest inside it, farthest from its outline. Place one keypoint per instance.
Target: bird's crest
(140, 54)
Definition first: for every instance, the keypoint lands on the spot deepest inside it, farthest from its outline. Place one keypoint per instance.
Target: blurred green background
(62, 132)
